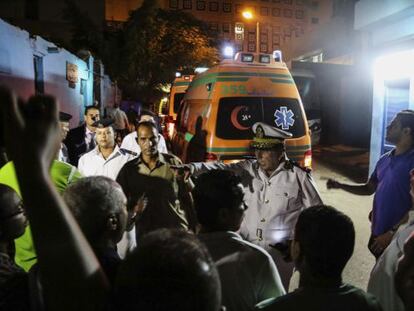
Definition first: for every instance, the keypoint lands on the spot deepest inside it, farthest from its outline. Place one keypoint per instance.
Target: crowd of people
(89, 223)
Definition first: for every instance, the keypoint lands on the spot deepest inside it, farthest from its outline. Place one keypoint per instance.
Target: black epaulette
(125, 151)
(289, 164)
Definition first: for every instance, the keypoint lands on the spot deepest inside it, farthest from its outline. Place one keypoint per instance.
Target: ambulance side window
(179, 116)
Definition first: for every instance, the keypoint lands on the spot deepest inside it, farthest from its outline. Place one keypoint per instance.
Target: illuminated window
(264, 11)
(276, 12)
(173, 4)
(201, 5)
(187, 4)
(213, 6)
(263, 47)
(227, 7)
(287, 13)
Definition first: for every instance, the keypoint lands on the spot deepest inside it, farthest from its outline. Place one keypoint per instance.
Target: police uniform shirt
(274, 202)
(130, 143)
(93, 163)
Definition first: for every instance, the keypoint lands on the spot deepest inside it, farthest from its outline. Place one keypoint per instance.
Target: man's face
(64, 129)
(394, 131)
(147, 140)
(13, 219)
(105, 137)
(268, 159)
(91, 116)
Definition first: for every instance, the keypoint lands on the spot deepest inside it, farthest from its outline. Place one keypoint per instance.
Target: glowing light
(178, 74)
(201, 69)
(247, 14)
(394, 66)
(228, 51)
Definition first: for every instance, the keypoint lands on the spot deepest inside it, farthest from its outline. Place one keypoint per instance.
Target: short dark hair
(90, 107)
(169, 270)
(326, 238)
(146, 124)
(215, 190)
(406, 118)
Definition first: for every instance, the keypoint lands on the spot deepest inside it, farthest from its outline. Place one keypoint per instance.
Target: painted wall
(390, 28)
(17, 49)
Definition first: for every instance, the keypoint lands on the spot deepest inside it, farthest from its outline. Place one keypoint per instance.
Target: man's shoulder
(171, 159)
(76, 133)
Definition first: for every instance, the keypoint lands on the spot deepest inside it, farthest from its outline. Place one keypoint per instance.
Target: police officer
(276, 190)
(106, 158)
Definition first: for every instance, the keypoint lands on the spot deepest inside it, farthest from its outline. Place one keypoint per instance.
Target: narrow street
(348, 165)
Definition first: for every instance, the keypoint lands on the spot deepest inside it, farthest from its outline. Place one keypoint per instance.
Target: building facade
(389, 55)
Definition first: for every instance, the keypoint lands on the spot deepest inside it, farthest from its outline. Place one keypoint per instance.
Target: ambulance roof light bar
(277, 56)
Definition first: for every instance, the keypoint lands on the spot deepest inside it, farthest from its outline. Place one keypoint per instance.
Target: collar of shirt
(114, 153)
(160, 161)
(88, 132)
(263, 175)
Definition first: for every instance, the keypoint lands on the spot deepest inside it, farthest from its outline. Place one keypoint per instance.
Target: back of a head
(169, 270)
(92, 200)
(326, 238)
(215, 190)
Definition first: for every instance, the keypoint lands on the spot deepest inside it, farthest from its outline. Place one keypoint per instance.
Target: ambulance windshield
(236, 115)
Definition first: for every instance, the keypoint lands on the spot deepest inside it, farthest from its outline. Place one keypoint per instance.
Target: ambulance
(221, 105)
(178, 89)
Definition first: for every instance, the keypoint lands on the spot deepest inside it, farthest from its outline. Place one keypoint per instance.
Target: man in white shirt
(129, 142)
(276, 191)
(106, 158)
(247, 272)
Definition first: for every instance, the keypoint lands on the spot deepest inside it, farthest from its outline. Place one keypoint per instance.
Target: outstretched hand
(182, 172)
(332, 184)
(31, 128)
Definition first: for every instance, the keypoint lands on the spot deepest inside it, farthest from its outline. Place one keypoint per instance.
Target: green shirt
(62, 175)
(167, 205)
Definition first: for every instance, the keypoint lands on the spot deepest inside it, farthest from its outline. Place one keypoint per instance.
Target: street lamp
(249, 16)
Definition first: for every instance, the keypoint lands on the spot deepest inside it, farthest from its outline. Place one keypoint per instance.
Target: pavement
(348, 164)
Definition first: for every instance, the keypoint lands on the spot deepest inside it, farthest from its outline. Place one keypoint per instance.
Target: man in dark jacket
(82, 138)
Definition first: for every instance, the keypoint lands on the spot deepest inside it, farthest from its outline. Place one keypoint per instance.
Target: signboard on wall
(239, 31)
(72, 73)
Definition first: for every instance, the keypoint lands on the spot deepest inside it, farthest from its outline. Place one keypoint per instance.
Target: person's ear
(112, 222)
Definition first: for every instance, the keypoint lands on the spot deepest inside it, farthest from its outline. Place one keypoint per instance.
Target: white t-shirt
(381, 281)
(247, 272)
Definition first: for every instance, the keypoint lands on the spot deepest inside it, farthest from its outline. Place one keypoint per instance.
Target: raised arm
(360, 189)
(71, 276)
